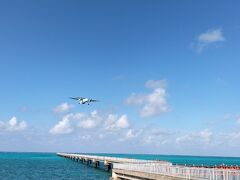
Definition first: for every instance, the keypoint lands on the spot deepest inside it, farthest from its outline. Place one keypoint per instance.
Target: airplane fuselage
(83, 101)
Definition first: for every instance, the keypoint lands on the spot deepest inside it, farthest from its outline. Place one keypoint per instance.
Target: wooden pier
(134, 169)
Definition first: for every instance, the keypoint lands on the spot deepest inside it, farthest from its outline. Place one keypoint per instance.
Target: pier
(134, 169)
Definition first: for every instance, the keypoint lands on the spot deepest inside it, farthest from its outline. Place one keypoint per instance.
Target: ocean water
(44, 166)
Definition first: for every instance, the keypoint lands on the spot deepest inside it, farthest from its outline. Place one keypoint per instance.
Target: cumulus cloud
(13, 125)
(183, 139)
(114, 122)
(116, 129)
(62, 108)
(209, 38)
(89, 122)
(158, 136)
(151, 104)
(63, 126)
(71, 122)
(122, 122)
(205, 136)
(180, 140)
(132, 134)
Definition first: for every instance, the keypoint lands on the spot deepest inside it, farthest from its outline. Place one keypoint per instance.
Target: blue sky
(166, 72)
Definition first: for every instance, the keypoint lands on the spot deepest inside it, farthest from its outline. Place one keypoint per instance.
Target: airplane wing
(94, 100)
(75, 98)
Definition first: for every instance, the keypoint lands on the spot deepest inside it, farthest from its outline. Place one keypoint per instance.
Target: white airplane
(82, 100)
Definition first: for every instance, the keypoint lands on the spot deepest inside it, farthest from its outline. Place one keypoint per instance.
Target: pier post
(97, 164)
(107, 165)
(89, 161)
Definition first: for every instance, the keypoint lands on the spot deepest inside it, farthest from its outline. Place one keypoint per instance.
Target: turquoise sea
(44, 166)
(23, 166)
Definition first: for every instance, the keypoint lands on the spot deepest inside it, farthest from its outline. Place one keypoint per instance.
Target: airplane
(82, 100)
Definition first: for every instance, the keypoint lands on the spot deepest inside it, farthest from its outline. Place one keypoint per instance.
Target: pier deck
(109, 159)
(134, 169)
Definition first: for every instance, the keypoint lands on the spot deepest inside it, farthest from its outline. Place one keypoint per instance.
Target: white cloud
(155, 103)
(153, 84)
(151, 104)
(63, 126)
(205, 137)
(136, 99)
(122, 122)
(94, 120)
(62, 108)
(115, 129)
(13, 125)
(157, 136)
(147, 135)
(89, 122)
(130, 134)
(210, 37)
(238, 120)
(183, 139)
(115, 123)
(133, 133)
(177, 139)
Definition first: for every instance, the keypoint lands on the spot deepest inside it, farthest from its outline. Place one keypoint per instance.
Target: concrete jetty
(134, 169)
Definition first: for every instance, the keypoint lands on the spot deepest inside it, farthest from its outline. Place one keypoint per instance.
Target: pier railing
(113, 159)
(182, 171)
